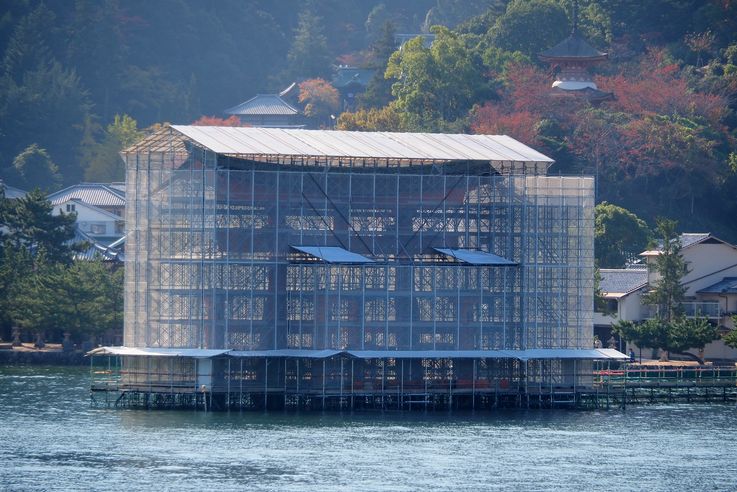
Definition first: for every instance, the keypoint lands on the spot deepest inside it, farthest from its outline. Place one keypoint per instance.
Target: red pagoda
(573, 56)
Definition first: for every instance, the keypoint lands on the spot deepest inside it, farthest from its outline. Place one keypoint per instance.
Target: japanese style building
(573, 58)
(267, 111)
(328, 269)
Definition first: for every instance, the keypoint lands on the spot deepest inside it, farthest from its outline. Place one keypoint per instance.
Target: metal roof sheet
(158, 352)
(333, 254)
(322, 144)
(558, 353)
(261, 104)
(474, 257)
(584, 354)
(727, 285)
(97, 194)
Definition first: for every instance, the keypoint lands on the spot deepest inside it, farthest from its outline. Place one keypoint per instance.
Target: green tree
(530, 26)
(31, 301)
(450, 13)
(652, 333)
(378, 92)
(103, 161)
(30, 225)
(437, 84)
(34, 168)
(309, 56)
(667, 293)
(690, 333)
(730, 339)
(619, 235)
(676, 336)
(387, 119)
(41, 100)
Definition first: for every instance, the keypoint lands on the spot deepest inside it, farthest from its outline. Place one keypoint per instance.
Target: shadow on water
(51, 439)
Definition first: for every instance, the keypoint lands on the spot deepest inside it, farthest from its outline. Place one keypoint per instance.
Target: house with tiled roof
(100, 209)
(100, 195)
(711, 289)
(267, 111)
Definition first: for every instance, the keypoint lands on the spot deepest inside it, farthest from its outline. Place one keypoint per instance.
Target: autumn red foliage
(660, 87)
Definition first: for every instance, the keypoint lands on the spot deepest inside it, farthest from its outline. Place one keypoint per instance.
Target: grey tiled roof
(727, 285)
(689, 238)
(261, 104)
(622, 281)
(97, 194)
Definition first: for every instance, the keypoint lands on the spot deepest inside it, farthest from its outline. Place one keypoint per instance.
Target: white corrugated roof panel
(323, 144)
(158, 352)
(474, 257)
(559, 353)
(333, 254)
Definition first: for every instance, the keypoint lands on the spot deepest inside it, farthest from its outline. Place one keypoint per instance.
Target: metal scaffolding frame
(214, 259)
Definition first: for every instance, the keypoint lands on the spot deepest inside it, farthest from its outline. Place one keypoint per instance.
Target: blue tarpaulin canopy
(333, 254)
(474, 257)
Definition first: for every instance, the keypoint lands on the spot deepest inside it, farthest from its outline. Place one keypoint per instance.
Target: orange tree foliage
(320, 99)
(215, 121)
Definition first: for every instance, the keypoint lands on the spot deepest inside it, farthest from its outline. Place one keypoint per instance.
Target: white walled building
(99, 207)
(711, 289)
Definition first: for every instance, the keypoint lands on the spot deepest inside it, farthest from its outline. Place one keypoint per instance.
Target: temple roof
(263, 104)
(573, 48)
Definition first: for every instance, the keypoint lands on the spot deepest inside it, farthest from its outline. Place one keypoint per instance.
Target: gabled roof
(616, 283)
(345, 76)
(689, 239)
(263, 104)
(97, 194)
(573, 48)
(727, 285)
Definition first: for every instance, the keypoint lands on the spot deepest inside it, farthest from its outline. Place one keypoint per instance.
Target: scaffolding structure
(374, 261)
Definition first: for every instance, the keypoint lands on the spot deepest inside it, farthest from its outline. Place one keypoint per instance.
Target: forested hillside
(79, 80)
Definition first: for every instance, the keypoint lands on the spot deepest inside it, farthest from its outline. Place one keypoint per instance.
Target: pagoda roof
(574, 47)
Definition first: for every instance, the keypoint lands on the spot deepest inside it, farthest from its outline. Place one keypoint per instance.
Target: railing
(635, 375)
(693, 309)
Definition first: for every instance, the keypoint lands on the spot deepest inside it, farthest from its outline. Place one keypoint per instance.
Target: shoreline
(25, 356)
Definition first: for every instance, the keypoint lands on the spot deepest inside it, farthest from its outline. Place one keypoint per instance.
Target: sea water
(52, 439)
